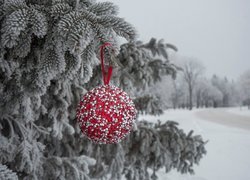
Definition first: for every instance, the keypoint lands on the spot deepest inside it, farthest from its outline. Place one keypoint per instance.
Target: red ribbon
(105, 75)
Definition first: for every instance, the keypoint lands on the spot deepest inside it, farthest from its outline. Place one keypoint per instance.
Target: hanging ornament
(106, 114)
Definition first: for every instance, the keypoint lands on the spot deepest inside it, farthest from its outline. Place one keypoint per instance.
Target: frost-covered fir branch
(7, 174)
(143, 66)
(48, 50)
(151, 146)
(159, 145)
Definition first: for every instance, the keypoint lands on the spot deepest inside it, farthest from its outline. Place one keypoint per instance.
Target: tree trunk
(215, 104)
(198, 99)
(190, 97)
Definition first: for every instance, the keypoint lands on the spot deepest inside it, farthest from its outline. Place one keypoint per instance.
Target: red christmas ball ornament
(106, 114)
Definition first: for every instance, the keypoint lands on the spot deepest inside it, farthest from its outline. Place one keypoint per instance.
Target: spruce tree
(49, 54)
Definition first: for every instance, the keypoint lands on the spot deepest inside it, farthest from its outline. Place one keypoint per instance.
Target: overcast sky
(217, 32)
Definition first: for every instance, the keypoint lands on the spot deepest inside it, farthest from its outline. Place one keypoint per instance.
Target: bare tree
(192, 69)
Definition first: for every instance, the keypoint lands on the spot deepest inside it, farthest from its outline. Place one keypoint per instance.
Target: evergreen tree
(230, 96)
(244, 86)
(207, 95)
(48, 58)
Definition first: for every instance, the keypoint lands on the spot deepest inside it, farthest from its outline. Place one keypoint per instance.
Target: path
(223, 117)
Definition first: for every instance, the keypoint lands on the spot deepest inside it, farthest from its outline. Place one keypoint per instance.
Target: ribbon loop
(105, 75)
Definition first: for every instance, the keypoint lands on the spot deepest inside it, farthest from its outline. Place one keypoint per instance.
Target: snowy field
(228, 132)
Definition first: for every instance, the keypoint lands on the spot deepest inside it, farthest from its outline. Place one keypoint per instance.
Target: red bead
(106, 114)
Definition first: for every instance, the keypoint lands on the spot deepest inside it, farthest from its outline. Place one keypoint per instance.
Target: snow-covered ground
(228, 132)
